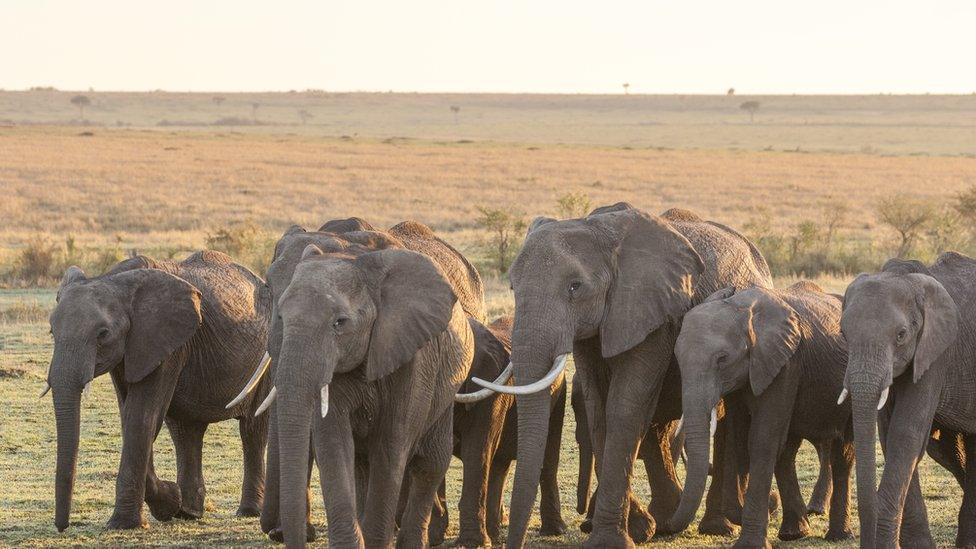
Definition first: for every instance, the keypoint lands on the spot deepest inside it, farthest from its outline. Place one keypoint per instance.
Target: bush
(505, 230)
(908, 217)
(37, 260)
(573, 205)
(246, 243)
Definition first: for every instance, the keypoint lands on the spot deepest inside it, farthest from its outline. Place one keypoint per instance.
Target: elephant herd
(368, 353)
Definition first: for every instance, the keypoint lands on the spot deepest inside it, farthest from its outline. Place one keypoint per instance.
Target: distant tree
(731, 92)
(504, 235)
(750, 107)
(966, 204)
(81, 101)
(626, 88)
(254, 111)
(908, 217)
(305, 116)
(218, 100)
(573, 205)
(455, 109)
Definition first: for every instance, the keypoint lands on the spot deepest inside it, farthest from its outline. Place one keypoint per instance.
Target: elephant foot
(611, 539)
(773, 502)
(640, 524)
(122, 522)
(167, 501)
(248, 510)
(553, 527)
(275, 534)
(436, 530)
(752, 544)
(494, 533)
(472, 541)
(794, 530)
(586, 526)
(920, 541)
(715, 525)
(839, 535)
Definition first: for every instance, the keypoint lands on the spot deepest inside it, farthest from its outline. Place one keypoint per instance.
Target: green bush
(37, 260)
(246, 243)
(573, 205)
(505, 229)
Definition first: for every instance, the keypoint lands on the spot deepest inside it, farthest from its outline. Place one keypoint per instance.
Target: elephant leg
(714, 521)
(362, 486)
(188, 439)
(477, 449)
(549, 506)
(632, 398)
(915, 530)
(966, 533)
(439, 517)
(665, 488)
(335, 455)
(270, 518)
(276, 534)
(427, 470)
(494, 511)
(162, 496)
(842, 461)
(794, 525)
(254, 438)
(142, 416)
(820, 498)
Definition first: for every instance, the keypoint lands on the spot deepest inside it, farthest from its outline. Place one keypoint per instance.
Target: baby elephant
(178, 339)
(780, 355)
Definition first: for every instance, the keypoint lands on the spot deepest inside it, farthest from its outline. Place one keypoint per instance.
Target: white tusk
(324, 394)
(558, 366)
(86, 390)
(467, 398)
(47, 387)
(253, 382)
(884, 398)
(267, 401)
(681, 422)
(843, 397)
(713, 424)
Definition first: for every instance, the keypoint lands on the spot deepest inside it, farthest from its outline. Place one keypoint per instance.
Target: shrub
(573, 205)
(504, 235)
(908, 217)
(247, 243)
(37, 260)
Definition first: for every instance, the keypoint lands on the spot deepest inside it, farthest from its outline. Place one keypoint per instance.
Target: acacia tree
(750, 107)
(81, 101)
(505, 229)
(908, 217)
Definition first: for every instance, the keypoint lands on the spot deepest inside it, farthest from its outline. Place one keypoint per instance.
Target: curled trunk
(696, 432)
(67, 412)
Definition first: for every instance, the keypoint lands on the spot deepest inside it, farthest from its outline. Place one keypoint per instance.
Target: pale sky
(561, 46)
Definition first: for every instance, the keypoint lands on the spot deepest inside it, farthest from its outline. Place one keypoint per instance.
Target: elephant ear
(774, 335)
(414, 303)
(654, 271)
(164, 315)
(940, 322)
(72, 275)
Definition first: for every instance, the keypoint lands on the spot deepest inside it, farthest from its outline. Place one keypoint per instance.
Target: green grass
(27, 456)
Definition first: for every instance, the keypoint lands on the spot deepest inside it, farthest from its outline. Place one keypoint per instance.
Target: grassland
(119, 181)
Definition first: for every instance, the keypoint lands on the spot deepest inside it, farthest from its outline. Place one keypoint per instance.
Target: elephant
(780, 353)
(485, 442)
(341, 236)
(910, 331)
(177, 339)
(375, 344)
(611, 289)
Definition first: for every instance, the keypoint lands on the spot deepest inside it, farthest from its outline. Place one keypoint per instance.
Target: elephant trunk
(865, 380)
(697, 437)
(67, 412)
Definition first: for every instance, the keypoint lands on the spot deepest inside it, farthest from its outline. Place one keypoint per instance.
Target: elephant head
(134, 316)
(618, 274)
(728, 342)
(894, 322)
(370, 313)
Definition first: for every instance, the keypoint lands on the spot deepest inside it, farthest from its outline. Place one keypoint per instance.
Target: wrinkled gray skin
(178, 339)
(340, 236)
(612, 288)
(384, 333)
(910, 329)
(485, 440)
(355, 236)
(781, 353)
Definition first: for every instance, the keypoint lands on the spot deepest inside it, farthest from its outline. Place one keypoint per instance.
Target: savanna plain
(826, 185)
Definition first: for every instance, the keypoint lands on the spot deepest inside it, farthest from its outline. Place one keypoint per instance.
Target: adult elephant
(375, 346)
(177, 340)
(781, 354)
(611, 289)
(906, 360)
(343, 236)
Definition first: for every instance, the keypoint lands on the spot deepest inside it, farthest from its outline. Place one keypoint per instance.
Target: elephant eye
(902, 334)
(339, 322)
(575, 286)
(102, 334)
(721, 358)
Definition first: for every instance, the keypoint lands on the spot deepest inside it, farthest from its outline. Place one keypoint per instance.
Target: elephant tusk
(843, 397)
(47, 387)
(713, 424)
(267, 401)
(253, 382)
(883, 399)
(324, 394)
(468, 398)
(558, 366)
(86, 390)
(681, 422)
